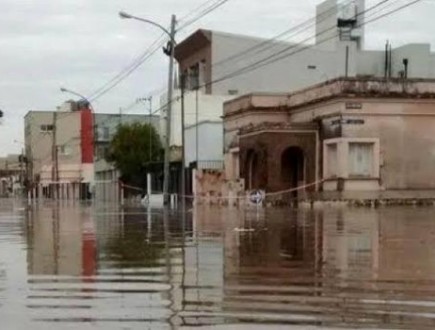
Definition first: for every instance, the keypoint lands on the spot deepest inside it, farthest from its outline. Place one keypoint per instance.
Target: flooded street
(81, 267)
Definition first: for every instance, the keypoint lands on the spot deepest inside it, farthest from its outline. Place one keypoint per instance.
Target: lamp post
(169, 50)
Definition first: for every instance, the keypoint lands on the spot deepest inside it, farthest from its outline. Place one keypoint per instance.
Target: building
(348, 138)
(202, 148)
(60, 149)
(198, 107)
(106, 175)
(215, 60)
(65, 149)
(229, 65)
(12, 175)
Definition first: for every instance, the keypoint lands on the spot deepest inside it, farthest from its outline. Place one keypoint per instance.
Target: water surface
(72, 266)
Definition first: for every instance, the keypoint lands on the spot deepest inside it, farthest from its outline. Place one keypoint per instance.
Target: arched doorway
(292, 168)
(252, 167)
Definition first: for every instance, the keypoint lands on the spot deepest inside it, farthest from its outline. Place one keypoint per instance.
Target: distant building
(106, 175)
(12, 171)
(348, 138)
(66, 148)
(60, 149)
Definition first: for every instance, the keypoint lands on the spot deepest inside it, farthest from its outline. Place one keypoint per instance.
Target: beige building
(56, 146)
(347, 138)
(66, 149)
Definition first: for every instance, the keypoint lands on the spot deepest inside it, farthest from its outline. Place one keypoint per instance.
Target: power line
(203, 13)
(127, 72)
(204, 4)
(270, 59)
(151, 50)
(296, 30)
(273, 58)
(266, 42)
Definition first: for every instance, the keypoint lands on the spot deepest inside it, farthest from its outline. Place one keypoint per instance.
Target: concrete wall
(403, 126)
(265, 109)
(290, 73)
(38, 143)
(208, 108)
(68, 137)
(407, 143)
(209, 144)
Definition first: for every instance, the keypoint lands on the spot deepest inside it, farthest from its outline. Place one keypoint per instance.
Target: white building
(204, 145)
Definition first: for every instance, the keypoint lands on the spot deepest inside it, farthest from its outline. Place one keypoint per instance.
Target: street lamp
(170, 52)
(66, 90)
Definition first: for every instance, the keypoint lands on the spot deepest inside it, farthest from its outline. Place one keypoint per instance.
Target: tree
(133, 149)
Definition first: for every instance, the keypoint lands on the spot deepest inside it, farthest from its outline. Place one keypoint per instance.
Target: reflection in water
(76, 267)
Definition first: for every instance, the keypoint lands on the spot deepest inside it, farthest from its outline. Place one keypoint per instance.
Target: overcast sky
(81, 44)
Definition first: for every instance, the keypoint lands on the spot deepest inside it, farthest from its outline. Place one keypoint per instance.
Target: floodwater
(79, 267)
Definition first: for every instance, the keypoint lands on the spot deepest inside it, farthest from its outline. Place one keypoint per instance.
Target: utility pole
(169, 51)
(197, 120)
(183, 145)
(22, 169)
(55, 160)
(150, 100)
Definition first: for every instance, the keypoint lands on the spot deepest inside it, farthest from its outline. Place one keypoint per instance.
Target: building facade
(66, 148)
(60, 150)
(106, 175)
(12, 175)
(230, 65)
(348, 138)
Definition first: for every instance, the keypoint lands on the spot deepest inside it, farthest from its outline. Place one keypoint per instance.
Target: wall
(252, 110)
(68, 134)
(38, 143)
(212, 187)
(420, 60)
(403, 125)
(210, 108)
(290, 73)
(210, 143)
(405, 129)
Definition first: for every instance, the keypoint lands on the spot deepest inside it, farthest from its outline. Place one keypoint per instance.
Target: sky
(82, 44)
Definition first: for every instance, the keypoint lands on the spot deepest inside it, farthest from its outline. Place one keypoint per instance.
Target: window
(106, 133)
(65, 150)
(332, 160)
(361, 159)
(46, 128)
(102, 152)
(194, 77)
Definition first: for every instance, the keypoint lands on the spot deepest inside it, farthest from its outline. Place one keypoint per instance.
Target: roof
(202, 38)
(196, 41)
(367, 87)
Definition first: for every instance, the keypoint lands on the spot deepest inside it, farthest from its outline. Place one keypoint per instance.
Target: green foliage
(133, 148)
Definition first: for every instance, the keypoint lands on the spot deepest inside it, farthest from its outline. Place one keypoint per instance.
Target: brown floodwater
(66, 266)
